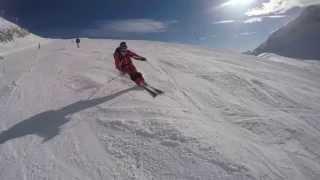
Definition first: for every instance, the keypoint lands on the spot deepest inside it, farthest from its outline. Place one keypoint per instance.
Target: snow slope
(287, 60)
(66, 113)
(298, 39)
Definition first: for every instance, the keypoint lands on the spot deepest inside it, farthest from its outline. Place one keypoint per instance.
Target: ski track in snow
(66, 113)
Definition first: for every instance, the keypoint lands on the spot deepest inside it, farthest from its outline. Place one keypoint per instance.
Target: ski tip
(160, 92)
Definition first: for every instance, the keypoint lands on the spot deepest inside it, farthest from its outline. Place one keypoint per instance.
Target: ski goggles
(123, 52)
(123, 49)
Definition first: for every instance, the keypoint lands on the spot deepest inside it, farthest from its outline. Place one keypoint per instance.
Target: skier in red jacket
(123, 62)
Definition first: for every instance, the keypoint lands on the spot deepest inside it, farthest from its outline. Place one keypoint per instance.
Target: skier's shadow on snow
(47, 124)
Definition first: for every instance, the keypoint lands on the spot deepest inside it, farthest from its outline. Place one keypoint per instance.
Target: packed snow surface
(67, 114)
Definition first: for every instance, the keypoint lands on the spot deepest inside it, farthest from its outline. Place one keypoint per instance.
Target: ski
(158, 91)
(153, 94)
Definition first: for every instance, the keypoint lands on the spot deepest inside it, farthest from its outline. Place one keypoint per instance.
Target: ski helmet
(123, 45)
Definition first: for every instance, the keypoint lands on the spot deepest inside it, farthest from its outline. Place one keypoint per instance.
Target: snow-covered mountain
(4, 24)
(10, 31)
(15, 38)
(298, 39)
(66, 113)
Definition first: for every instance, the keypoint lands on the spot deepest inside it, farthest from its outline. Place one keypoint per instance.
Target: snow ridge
(4, 24)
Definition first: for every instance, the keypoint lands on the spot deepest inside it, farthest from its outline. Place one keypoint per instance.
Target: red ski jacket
(122, 61)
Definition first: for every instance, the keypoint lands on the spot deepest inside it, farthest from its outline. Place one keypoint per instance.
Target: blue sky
(231, 24)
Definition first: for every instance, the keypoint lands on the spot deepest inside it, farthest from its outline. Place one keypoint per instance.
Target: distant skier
(123, 62)
(78, 42)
